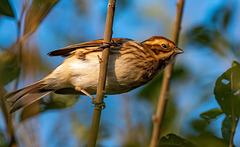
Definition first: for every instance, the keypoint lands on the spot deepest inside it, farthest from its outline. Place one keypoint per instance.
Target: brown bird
(131, 64)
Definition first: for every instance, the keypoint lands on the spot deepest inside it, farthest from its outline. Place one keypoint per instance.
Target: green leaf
(199, 125)
(3, 140)
(209, 37)
(201, 35)
(207, 139)
(55, 101)
(211, 114)
(152, 89)
(228, 15)
(58, 101)
(172, 140)
(6, 9)
(9, 68)
(227, 91)
(226, 128)
(235, 63)
(36, 13)
(222, 16)
(150, 92)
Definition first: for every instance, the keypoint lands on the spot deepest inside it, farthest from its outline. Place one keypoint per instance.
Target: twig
(20, 42)
(10, 117)
(163, 98)
(234, 123)
(102, 75)
(234, 126)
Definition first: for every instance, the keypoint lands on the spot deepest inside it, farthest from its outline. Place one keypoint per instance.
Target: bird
(131, 64)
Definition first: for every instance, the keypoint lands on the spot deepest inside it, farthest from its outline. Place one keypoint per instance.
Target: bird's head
(162, 48)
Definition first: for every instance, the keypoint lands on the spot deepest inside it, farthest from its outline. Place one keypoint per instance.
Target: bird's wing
(66, 51)
(86, 46)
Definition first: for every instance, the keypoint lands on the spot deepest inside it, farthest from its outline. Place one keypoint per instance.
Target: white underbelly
(122, 76)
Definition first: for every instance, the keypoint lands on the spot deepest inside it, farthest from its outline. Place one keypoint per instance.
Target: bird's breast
(123, 74)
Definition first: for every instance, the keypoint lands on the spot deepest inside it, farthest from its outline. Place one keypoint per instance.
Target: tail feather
(26, 96)
(27, 99)
(15, 95)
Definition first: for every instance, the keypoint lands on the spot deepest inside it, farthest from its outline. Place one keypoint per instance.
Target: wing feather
(66, 51)
(69, 50)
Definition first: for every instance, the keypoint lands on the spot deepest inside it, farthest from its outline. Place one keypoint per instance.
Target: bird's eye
(164, 45)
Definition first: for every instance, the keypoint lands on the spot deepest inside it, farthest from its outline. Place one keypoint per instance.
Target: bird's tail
(27, 95)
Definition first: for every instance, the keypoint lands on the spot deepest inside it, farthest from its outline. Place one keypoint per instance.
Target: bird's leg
(78, 88)
(99, 59)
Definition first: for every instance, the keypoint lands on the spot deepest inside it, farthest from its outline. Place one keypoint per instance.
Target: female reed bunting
(131, 64)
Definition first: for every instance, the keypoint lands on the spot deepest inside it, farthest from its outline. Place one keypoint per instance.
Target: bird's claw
(99, 59)
(97, 104)
(108, 44)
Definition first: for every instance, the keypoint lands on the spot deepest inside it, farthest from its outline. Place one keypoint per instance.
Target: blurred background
(29, 30)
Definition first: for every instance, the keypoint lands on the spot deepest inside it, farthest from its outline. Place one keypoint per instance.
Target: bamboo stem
(102, 75)
(163, 98)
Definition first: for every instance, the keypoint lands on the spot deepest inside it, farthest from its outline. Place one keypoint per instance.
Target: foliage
(151, 90)
(6, 9)
(36, 13)
(227, 128)
(3, 142)
(227, 94)
(227, 91)
(228, 97)
(11, 58)
(211, 114)
(9, 68)
(199, 125)
(172, 140)
(55, 101)
(207, 139)
(214, 32)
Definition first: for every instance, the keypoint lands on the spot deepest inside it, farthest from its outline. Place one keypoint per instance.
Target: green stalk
(234, 126)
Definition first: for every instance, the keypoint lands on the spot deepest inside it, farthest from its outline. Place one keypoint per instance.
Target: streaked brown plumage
(131, 64)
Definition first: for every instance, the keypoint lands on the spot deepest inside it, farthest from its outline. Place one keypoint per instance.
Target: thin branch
(234, 121)
(163, 98)
(20, 42)
(21, 39)
(102, 75)
(10, 117)
(234, 126)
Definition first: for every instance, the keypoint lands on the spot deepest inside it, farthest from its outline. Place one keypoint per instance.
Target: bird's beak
(178, 50)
